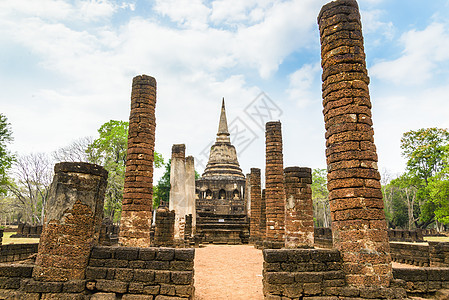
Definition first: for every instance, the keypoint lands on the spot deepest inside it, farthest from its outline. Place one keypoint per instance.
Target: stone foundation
(112, 273)
(314, 274)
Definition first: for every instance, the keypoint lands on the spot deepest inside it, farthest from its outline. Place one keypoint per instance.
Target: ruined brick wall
(255, 205)
(314, 274)
(423, 283)
(16, 252)
(299, 230)
(74, 212)
(274, 184)
(142, 272)
(358, 219)
(401, 235)
(164, 232)
(137, 202)
(411, 254)
(439, 254)
(113, 273)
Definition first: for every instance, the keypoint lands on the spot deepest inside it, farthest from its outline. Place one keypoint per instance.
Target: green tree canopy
(6, 157)
(320, 197)
(425, 150)
(109, 150)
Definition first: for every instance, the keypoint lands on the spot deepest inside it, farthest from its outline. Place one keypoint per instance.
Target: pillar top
(81, 167)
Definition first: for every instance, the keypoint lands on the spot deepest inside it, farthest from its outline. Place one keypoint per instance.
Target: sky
(66, 68)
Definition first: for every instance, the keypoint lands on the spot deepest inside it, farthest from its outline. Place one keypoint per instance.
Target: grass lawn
(8, 240)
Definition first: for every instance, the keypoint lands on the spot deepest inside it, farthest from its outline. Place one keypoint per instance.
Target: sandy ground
(228, 272)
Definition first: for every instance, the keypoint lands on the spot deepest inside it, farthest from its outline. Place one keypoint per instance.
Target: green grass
(8, 240)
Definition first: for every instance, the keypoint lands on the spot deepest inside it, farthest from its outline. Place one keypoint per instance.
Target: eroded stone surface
(72, 225)
(138, 193)
(299, 231)
(359, 227)
(274, 182)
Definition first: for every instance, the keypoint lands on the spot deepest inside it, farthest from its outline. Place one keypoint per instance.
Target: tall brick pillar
(299, 229)
(263, 216)
(72, 223)
(358, 219)
(254, 179)
(137, 202)
(274, 186)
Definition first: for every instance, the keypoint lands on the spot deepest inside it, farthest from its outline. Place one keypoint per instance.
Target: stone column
(255, 205)
(263, 216)
(274, 186)
(190, 190)
(299, 229)
(248, 196)
(74, 212)
(358, 220)
(137, 202)
(178, 200)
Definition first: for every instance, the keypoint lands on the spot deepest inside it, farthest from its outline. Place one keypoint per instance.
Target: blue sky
(66, 67)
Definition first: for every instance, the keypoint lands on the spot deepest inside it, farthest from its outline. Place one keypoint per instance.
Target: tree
(161, 191)
(320, 198)
(76, 151)
(33, 175)
(109, 151)
(426, 151)
(6, 157)
(438, 189)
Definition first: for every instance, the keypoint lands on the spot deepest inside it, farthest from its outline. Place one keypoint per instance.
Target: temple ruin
(350, 261)
(220, 201)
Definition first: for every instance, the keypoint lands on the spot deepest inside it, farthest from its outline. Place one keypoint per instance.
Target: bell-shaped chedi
(223, 160)
(220, 193)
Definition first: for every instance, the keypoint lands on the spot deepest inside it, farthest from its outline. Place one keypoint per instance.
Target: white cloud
(53, 9)
(236, 11)
(94, 9)
(372, 23)
(301, 88)
(423, 51)
(189, 13)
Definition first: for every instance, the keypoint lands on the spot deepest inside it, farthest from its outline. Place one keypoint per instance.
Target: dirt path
(228, 272)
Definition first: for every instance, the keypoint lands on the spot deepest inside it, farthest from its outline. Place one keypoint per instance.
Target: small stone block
(165, 254)
(111, 286)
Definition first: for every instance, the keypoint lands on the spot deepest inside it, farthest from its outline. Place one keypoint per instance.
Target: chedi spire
(223, 133)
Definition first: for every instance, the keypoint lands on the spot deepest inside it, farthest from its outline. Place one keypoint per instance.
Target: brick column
(358, 219)
(137, 202)
(74, 212)
(263, 216)
(254, 179)
(274, 186)
(299, 229)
